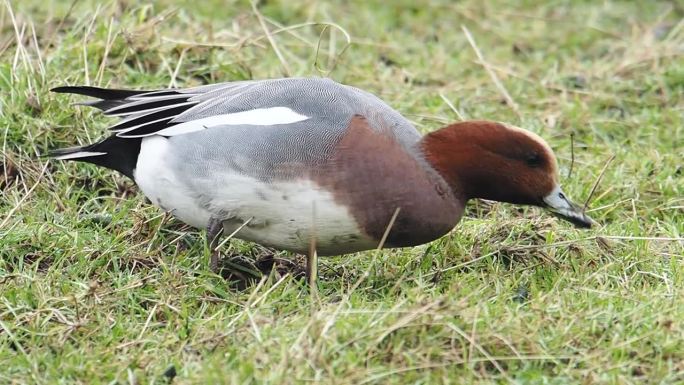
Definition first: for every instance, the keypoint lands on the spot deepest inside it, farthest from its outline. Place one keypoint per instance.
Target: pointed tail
(120, 154)
(116, 153)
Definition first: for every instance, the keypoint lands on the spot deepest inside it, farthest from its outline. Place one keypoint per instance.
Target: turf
(97, 286)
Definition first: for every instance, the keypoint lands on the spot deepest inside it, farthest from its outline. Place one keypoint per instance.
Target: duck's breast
(374, 176)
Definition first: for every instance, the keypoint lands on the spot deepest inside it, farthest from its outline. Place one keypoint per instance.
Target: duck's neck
(449, 158)
(471, 170)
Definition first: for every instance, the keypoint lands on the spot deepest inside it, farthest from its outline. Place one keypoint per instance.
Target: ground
(98, 286)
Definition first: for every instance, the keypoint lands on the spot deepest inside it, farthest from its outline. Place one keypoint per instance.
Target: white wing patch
(257, 117)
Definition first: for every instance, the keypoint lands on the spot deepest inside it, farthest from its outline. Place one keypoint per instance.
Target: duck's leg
(312, 256)
(312, 268)
(214, 230)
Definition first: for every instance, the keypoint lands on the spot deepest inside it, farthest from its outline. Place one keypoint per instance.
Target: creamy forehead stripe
(530, 134)
(257, 117)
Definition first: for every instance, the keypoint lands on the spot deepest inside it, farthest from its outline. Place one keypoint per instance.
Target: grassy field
(97, 286)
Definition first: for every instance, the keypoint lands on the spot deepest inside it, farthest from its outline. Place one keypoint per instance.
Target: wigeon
(300, 162)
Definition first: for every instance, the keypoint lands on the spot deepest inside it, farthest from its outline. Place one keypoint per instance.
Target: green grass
(97, 286)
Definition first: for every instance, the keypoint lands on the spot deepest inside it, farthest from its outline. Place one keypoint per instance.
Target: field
(99, 286)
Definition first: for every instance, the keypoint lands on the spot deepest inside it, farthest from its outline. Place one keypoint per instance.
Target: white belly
(161, 185)
(283, 214)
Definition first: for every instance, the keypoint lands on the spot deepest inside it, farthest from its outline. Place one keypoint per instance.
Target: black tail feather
(120, 154)
(103, 105)
(96, 92)
(116, 153)
(110, 98)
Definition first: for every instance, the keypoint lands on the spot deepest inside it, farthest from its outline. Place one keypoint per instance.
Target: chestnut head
(497, 161)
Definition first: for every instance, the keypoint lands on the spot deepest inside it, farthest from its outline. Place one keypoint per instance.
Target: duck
(313, 166)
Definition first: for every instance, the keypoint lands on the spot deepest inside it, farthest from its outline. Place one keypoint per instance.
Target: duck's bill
(563, 208)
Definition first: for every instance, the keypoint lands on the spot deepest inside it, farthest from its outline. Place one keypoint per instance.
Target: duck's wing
(144, 113)
(258, 103)
(291, 119)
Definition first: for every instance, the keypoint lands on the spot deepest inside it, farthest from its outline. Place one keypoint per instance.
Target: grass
(97, 286)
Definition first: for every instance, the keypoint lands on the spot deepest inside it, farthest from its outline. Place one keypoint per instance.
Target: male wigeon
(291, 163)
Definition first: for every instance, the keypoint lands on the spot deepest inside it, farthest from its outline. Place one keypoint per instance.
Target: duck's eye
(533, 160)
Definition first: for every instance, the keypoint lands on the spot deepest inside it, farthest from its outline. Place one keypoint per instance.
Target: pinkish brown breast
(373, 175)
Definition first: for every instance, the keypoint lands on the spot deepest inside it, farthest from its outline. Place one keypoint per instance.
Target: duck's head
(496, 161)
